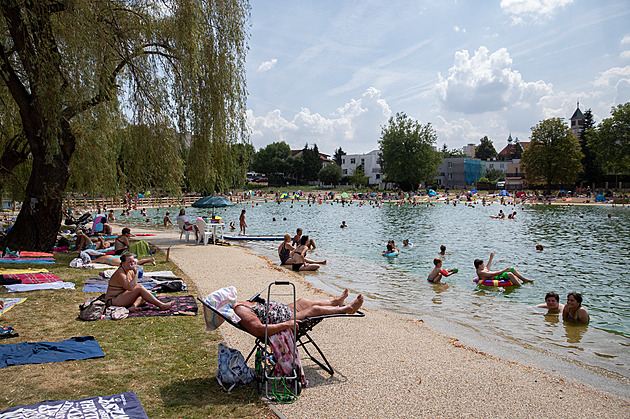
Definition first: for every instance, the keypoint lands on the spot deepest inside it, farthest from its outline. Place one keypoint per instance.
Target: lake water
(588, 254)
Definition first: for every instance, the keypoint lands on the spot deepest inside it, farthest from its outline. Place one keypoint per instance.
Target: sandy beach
(386, 365)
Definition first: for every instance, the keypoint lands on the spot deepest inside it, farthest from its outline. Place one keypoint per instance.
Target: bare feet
(153, 261)
(356, 304)
(339, 301)
(165, 306)
(132, 308)
(527, 280)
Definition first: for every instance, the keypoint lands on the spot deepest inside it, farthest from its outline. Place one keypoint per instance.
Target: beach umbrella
(284, 195)
(473, 191)
(432, 192)
(518, 195)
(213, 201)
(504, 193)
(345, 195)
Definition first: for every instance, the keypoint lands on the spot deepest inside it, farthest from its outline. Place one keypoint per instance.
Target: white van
(501, 185)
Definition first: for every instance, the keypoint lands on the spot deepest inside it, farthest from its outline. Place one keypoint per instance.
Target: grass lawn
(169, 362)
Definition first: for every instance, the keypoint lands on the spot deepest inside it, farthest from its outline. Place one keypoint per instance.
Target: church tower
(577, 121)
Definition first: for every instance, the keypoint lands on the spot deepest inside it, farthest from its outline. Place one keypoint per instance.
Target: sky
(332, 73)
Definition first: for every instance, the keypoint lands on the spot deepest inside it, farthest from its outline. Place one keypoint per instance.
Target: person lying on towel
(253, 314)
(123, 289)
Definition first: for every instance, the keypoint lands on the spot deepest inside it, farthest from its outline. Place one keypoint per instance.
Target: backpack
(232, 369)
(93, 308)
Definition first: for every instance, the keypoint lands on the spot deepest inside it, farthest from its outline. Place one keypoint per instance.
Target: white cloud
(523, 11)
(267, 65)
(625, 55)
(626, 40)
(459, 29)
(611, 76)
(356, 126)
(486, 82)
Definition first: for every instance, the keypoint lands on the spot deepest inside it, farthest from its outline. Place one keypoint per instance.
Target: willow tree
(63, 61)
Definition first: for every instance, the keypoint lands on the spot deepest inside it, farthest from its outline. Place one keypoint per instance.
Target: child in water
(437, 273)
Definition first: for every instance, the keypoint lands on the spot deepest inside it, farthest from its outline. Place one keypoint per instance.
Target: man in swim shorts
(507, 274)
(437, 273)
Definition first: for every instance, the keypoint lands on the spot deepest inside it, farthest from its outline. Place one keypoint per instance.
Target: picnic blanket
(83, 347)
(7, 271)
(9, 303)
(123, 405)
(27, 260)
(33, 278)
(27, 254)
(57, 285)
(103, 287)
(181, 305)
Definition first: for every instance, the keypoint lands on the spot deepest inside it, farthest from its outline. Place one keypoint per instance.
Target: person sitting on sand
(573, 310)
(298, 256)
(285, 249)
(281, 316)
(552, 304)
(123, 289)
(167, 219)
(95, 243)
(508, 274)
(298, 237)
(437, 272)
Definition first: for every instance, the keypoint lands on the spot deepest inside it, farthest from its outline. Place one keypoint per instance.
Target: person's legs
(510, 276)
(81, 242)
(143, 261)
(521, 277)
(322, 310)
(135, 297)
(309, 267)
(305, 303)
(323, 262)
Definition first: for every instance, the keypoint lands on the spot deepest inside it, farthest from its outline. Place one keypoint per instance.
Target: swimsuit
(504, 276)
(109, 262)
(120, 251)
(430, 279)
(285, 254)
(278, 312)
(297, 266)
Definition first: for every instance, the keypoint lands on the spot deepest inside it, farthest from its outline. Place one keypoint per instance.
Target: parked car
(261, 179)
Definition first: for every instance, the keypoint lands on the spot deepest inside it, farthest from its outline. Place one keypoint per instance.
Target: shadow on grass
(200, 392)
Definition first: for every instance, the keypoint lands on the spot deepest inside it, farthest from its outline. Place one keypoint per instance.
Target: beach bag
(232, 369)
(92, 309)
(176, 285)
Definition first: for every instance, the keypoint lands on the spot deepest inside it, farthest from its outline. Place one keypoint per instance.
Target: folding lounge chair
(303, 338)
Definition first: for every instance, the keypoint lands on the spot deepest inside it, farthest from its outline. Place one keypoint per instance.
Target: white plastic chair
(182, 229)
(203, 229)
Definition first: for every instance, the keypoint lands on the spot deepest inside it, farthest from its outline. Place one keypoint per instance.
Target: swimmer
(442, 251)
(437, 273)
(407, 243)
(539, 247)
(573, 310)
(508, 274)
(343, 224)
(552, 304)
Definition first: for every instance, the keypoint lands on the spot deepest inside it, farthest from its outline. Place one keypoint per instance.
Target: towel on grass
(47, 286)
(9, 303)
(83, 347)
(124, 405)
(27, 260)
(7, 271)
(33, 278)
(186, 304)
(27, 254)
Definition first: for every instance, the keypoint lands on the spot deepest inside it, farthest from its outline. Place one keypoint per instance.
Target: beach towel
(9, 303)
(223, 300)
(123, 405)
(283, 346)
(140, 249)
(27, 254)
(7, 271)
(46, 286)
(181, 305)
(102, 280)
(27, 260)
(103, 287)
(33, 278)
(83, 347)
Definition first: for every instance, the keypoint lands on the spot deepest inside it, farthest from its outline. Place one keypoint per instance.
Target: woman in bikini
(299, 260)
(573, 310)
(281, 316)
(123, 289)
(121, 244)
(285, 249)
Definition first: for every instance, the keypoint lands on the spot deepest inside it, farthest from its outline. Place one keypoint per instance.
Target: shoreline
(386, 364)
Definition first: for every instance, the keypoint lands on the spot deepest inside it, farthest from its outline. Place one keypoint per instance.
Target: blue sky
(332, 73)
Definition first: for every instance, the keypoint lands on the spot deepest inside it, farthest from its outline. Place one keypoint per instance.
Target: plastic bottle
(258, 361)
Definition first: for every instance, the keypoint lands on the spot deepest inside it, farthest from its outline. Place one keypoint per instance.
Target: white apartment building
(369, 161)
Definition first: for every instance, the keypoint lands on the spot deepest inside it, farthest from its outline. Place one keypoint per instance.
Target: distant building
(513, 149)
(577, 121)
(369, 161)
(515, 177)
(469, 150)
(460, 172)
(325, 158)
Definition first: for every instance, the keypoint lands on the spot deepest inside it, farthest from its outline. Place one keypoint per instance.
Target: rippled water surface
(588, 254)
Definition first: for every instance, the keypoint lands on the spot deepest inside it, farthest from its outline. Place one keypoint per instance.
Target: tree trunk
(39, 219)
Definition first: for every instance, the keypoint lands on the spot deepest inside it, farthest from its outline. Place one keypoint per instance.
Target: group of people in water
(293, 251)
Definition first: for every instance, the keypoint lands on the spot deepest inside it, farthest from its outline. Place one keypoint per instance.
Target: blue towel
(76, 348)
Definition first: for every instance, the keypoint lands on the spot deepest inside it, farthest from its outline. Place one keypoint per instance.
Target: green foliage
(408, 157)
(331, 174)
(484, 179)
(553, 156)
(272, 160)
(494, 175)
(485, 150)
(592, 170)
(311, 162)
(446, 153)
(339, 153)
(611, 141)
(358, 178)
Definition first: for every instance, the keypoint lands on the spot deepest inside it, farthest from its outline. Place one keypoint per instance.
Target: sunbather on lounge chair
(123, 289)
(281, 316)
